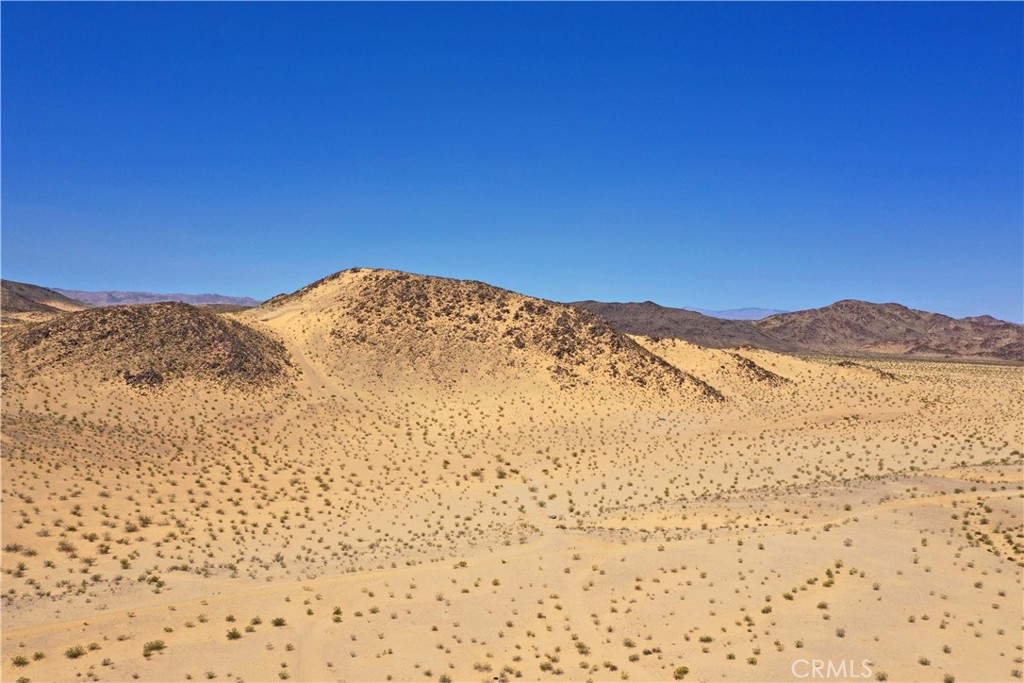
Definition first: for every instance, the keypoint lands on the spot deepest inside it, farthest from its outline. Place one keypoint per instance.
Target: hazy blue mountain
(113, 298)
(738, 313)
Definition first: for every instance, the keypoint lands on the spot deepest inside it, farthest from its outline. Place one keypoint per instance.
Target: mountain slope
(21, 297)
(651, 320)
(405, 328)
(860, 327)
(749, 313)
(845, 327)
(148, 345)
(113, 298)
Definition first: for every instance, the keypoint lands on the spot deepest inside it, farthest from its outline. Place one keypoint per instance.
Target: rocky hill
(892, 329)
(846, 327)
(404, 327)
(21, 297)
(149, 345)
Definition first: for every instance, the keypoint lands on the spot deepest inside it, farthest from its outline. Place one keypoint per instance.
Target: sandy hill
(651, 320)
(117, 298)
(860, 327)
(402, 327)
(736, 374)
(148, 345)
(20, 297)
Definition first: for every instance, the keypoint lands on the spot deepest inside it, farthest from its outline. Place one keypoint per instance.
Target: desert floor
(349, 527)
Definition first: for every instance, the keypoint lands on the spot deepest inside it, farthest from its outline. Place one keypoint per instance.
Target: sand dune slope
(412, 328)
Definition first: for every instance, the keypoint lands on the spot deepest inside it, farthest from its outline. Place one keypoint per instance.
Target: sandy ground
(355, 526)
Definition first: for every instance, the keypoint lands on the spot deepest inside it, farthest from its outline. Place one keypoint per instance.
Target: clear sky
(717, 155)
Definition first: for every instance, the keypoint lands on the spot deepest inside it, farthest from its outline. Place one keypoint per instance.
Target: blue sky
(718, 155)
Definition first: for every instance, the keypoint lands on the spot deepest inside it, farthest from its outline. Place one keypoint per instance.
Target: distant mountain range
(21, 297)
(114, 298)
(737, 313)
(861, 327)
(845, 327)
(651, 320)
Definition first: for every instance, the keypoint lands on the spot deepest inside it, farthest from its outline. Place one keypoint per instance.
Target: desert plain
(388, 477)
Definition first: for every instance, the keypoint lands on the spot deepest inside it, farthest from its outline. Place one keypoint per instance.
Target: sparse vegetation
(357, 498)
